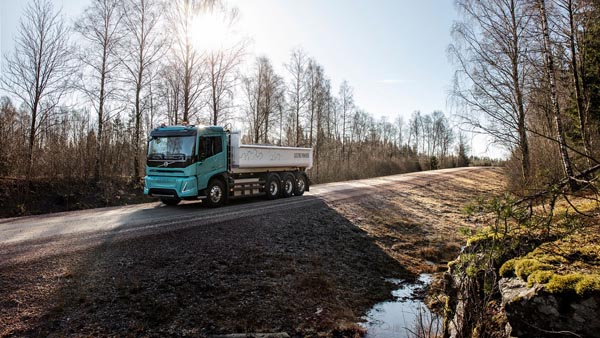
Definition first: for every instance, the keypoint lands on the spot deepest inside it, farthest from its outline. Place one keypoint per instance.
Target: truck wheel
(272, 186)
(215, 194)
(288, 183)
(170, 201)
(301, 185)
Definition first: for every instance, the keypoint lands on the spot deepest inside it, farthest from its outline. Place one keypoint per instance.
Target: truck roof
(186, 130)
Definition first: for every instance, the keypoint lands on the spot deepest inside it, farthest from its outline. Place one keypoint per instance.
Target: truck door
(212, 159)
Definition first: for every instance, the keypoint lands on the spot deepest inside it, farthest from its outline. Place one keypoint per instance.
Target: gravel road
(304, 265)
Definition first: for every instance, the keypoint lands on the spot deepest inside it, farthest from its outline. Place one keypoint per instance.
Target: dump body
(249, 156)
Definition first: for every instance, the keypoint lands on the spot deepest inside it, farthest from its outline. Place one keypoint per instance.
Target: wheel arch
(223, 177)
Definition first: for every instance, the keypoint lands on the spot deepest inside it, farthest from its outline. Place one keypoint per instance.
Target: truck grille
(162, 192)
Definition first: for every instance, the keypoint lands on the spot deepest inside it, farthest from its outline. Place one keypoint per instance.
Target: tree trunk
(568, 169)
(521, 122)
(32, 140)
(137, 131)
(98, 158)
(576, 80)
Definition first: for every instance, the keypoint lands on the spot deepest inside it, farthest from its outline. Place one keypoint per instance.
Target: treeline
(301, 109)
(86, 95)
(528, 73)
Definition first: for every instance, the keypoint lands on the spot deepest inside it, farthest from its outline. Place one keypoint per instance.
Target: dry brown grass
(419, 223)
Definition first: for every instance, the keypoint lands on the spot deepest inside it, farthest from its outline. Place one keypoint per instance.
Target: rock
(533, 312)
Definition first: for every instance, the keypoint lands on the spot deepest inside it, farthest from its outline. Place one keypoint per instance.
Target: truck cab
(200, 162)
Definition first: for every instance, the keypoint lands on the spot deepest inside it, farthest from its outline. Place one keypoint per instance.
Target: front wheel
(170, 201)
(215, 194)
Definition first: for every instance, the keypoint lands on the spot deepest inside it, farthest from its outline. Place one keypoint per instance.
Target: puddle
(398, 318)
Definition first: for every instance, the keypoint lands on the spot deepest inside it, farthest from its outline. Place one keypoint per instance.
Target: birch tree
(346, 98)
(490, 52)
(261, 89)
(39, 69)
(143, 47)
(223, 78)
(297, 90)
(550, 73)
(100, 27)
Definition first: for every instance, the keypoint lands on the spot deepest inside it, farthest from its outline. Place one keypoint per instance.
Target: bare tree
(314, 87)
(399, 131)
(570, 33)
(223, 78)
(169, 88)
(322, 92)
(414, 130)
(100, 26)
(143, 47)
(550, 72)
(181, 15)
(39, 69)
(490, 52)
(296, 90)
(346, 107)
(262, 90)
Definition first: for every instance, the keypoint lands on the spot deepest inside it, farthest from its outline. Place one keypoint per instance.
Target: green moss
(483, 238)
(588, 284)
(539, 277)
(508, 268)
(579, 283)
(563, 283)
(544, 257)
(525, 267)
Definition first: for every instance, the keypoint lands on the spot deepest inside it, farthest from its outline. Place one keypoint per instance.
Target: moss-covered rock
(533, 310)
(563, 266)
(579, 283)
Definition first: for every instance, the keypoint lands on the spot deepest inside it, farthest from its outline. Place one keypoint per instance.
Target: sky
(392, 52)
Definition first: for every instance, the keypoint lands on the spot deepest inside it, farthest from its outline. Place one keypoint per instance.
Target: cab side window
(210, 146)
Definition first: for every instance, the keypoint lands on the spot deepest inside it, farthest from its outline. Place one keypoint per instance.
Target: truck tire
(288, 184)
(216, 195)
(301, 184)
(170, 201)
(272, 186)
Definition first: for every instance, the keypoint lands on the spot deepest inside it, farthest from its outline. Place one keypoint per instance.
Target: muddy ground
(307, 271)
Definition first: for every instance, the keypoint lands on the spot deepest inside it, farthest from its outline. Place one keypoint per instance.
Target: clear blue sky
(393, 52)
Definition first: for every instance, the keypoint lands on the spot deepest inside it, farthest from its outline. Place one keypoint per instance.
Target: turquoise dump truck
(209, 163)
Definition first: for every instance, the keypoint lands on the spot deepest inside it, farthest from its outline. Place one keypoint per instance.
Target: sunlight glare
(212, 32)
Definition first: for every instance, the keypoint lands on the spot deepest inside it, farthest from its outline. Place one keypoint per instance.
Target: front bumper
(163, 186)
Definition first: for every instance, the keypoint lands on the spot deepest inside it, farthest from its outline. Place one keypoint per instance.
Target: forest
(527, 73)
(82, 98)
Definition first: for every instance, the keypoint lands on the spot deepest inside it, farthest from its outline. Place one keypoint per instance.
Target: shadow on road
(297, 266)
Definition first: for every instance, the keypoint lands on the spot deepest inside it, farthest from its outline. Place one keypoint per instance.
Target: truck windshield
(171, 148)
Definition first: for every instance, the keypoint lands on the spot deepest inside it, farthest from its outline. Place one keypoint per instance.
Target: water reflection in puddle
(398, 318)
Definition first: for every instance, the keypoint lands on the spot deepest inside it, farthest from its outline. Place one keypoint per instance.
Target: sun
(212, 31)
